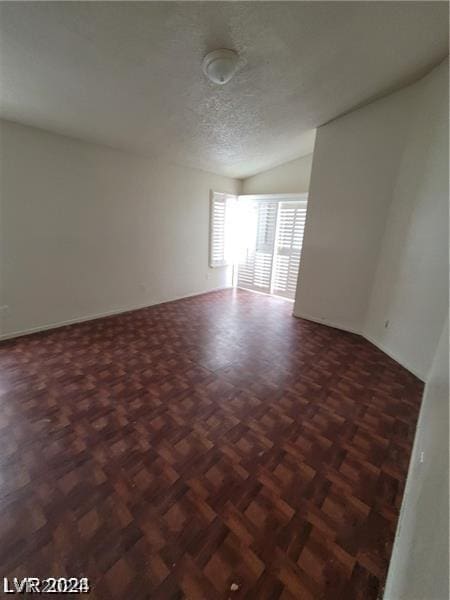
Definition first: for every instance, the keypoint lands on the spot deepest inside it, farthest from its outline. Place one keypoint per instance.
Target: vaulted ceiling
(128, 74)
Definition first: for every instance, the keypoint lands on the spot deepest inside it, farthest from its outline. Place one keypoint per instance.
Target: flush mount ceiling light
(219, 66)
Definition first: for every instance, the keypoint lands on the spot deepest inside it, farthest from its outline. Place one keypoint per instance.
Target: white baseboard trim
(326, 322)
(108, 313)
(395, 357)
(118, 311)
(398, 359)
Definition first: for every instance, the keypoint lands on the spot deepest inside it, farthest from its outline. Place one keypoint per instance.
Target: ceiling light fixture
(219, 66)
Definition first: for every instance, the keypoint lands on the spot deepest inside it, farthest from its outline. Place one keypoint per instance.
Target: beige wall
(410, 288)
(86, 230)
(354, 168)
(376, 250)
(376, 238)
(288, 178)
(419, 568)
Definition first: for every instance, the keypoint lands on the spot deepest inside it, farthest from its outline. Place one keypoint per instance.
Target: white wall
(87, 230)
(354, 168)
(419, 568)
(376, 250)
(410, 287)
(376, 231)
(289, 178)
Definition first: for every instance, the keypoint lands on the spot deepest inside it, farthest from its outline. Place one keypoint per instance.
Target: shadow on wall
(376, 237)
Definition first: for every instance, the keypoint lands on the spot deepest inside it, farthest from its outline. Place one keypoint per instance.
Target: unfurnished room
(224, 296)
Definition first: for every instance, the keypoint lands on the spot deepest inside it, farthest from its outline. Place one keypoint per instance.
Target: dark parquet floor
(212, 447)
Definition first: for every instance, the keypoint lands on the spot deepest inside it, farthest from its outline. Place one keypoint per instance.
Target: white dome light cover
(219, 66)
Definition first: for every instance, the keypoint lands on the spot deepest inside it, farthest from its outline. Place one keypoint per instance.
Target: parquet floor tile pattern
(213, 447)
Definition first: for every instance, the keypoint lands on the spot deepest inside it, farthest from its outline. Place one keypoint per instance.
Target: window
(288, 248)
(221, 230)
(255, 268)
(261, 236)
(271, 257)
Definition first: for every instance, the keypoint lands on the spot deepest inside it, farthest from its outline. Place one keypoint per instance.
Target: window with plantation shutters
(255, 267)
(270, 259)
(288, 247)
(220, 230)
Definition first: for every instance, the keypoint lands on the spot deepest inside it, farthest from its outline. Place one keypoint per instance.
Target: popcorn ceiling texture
(129, 75)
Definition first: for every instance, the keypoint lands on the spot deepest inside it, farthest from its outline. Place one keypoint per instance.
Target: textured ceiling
(128, 74)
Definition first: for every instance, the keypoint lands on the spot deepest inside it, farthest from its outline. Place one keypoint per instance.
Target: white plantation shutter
(288, 247)
(255, 267)
(270, 257)
(219, 230)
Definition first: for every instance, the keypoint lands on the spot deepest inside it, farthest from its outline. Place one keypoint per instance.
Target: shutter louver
(219, 229)
(291, 226)
(255, 270)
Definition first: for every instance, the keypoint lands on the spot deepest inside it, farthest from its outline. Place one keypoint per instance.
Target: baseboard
(109, 313)
(326, 322)
(395, 357)
(381, 347)
(118, 311)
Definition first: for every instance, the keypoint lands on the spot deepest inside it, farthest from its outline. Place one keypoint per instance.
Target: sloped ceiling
(128, 74)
